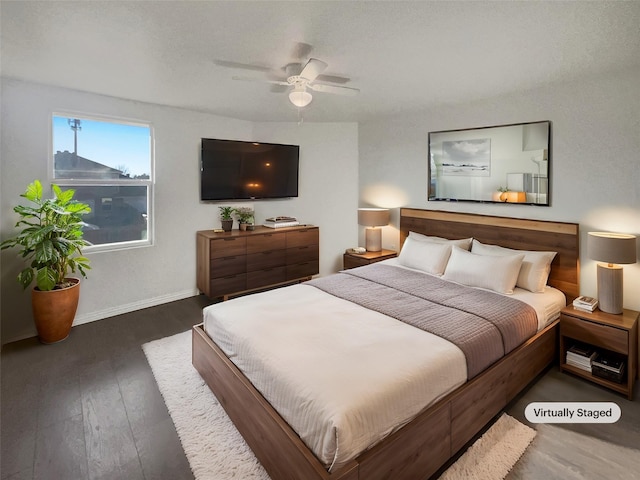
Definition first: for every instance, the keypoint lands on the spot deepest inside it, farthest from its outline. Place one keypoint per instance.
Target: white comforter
(341, 375)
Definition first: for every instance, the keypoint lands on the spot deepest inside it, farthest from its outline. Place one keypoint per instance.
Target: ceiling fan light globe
(300, 98)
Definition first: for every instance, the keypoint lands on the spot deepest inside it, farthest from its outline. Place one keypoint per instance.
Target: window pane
(118, 213)
(100, 150)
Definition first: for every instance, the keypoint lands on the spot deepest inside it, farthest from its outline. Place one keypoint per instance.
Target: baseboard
(119, 310)
(132, 307)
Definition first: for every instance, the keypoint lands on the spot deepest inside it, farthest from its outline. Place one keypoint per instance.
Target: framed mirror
(500, 164)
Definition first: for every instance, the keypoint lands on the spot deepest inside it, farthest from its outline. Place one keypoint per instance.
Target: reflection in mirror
(502, 164)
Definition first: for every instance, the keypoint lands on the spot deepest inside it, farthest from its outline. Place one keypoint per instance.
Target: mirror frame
(484, 169)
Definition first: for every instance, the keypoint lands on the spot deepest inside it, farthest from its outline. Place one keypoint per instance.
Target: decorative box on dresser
(605, 332)
(352, 260)
(229, 263)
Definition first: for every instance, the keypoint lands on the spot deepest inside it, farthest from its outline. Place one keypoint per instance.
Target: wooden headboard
(516, 233)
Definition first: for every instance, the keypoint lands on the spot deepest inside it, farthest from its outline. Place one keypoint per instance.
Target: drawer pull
(229, 239)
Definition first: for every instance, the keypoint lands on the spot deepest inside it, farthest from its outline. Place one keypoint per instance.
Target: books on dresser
(586, 304)
(280, 222)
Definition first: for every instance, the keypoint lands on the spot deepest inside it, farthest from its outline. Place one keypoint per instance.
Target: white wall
(126, 280)
(328, 183)
(595, 160)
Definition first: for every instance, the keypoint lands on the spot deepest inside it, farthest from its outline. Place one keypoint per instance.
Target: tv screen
(235, 170)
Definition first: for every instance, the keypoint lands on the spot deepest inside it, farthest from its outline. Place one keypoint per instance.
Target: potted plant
(245, 217)
(500, 194)
(50, 240)
(226, 218)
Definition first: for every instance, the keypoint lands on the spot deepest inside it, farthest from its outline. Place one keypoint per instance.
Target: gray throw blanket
(484, 325)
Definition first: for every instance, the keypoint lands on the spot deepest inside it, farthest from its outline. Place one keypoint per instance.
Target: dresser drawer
(603, 336)
(302, 254)
(228, 247)
(272, 258)
(300, 238)
(265, 277)
(229, 284)
(223, 267)
(300, 270)
(268, 241)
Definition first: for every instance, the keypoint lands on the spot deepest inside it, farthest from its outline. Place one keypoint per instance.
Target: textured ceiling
(403, 56)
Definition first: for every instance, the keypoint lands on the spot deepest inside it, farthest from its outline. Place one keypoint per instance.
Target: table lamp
(373, 218)
(613, 249)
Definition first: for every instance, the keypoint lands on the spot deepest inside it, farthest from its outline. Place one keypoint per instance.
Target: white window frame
(66, 183)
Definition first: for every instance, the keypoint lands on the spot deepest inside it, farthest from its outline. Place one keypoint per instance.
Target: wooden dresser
(230, 263)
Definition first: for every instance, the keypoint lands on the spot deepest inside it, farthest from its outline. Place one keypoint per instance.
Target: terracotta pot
(54, 311)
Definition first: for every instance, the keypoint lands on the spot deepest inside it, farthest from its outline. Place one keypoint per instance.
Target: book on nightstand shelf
(610, 367)
(581, 356)
(586, 304)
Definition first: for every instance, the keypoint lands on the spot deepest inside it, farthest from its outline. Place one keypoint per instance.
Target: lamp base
(610, 288)
(373, 239)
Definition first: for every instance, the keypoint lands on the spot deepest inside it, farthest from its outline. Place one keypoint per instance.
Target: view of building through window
(109, 165)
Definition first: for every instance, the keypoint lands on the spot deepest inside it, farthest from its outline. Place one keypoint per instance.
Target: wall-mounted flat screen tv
(235, 170)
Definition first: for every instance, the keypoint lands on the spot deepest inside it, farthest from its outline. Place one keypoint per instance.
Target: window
(109, 163)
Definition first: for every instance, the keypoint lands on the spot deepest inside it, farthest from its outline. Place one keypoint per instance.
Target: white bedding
(341, 375)
(547, 305)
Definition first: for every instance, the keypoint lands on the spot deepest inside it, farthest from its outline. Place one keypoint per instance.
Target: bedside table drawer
(603, 336)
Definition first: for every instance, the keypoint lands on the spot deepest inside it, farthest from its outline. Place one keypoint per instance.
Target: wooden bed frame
(420, 448)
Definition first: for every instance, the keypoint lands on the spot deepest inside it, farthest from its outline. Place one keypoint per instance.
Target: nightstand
(605, 332)
(352, 260)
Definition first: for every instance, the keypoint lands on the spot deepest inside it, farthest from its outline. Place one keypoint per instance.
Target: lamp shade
(373, 217)
(614, 248)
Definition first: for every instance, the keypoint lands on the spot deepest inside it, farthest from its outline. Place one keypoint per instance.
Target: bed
(425, 439)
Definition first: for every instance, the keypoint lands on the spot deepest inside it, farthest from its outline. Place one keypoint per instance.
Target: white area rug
(493, 454)
(216, 451)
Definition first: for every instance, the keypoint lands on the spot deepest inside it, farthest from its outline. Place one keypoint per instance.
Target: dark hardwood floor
(89, 407)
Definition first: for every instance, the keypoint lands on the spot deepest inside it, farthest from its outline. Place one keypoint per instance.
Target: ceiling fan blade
(243, 66)
(277, 88)
(260, 80)
(320, 87)
(312, 69)
(333, 79)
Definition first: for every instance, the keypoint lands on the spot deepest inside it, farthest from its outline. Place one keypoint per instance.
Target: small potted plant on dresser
(245, 217)
(51, 241)
(226, 218)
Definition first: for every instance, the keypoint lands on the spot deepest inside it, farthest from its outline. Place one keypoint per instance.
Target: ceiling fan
(298, 80)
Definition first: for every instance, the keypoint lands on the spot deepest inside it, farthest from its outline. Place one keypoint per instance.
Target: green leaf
(26, 211)
(34, 191)
(46, 278)
(78, 207)
(63, 197)
(25, 277)
(44, 251)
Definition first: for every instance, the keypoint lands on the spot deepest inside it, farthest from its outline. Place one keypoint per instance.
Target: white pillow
(535, 268)
(464, 243)
(484, 271)
(426, 256)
